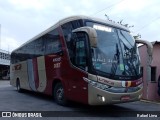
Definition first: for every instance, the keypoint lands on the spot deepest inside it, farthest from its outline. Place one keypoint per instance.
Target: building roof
(155, 42)
(4, 57)
(4, 51)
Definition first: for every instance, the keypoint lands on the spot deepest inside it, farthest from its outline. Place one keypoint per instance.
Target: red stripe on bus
(35, 70)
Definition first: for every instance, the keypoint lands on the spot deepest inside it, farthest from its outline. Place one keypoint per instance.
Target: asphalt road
(11, 100)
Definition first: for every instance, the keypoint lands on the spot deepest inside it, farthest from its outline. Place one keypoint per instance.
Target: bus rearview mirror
(149, 49)
(60, 53)
(91, 32)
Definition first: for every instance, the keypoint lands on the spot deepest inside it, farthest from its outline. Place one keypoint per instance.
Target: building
(4, 64)
(152, 73)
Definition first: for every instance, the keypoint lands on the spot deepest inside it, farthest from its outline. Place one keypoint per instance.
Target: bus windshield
(116, 53)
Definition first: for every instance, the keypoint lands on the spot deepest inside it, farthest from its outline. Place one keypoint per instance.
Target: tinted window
(47, 44)
(67, 30)
(153, 74)
(21, 54)
(29, 50)
(39, 47)
(80, 51)
(52, 42)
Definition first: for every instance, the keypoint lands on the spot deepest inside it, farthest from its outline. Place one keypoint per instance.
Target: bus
(82, 59)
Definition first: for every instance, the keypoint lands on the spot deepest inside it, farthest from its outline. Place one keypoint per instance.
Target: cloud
(23, 19)
(9, 44)
(29, 4)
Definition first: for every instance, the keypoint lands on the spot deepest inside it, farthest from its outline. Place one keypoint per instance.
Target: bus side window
(39, 47)
(52, 42)
(80, 58)
(67, 31)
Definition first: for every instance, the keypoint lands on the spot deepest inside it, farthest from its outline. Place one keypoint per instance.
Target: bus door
(79, 60)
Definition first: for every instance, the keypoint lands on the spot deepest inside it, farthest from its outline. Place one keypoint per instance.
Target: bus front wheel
(59, 94)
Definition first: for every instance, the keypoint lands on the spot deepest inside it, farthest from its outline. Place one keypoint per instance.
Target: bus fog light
(140, 96)
(101, 98)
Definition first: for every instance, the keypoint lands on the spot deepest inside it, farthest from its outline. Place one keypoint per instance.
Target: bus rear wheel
(59, 94)
(18, 86)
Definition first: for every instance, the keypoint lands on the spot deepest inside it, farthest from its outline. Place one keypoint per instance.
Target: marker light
(101, 98)
(102, 28)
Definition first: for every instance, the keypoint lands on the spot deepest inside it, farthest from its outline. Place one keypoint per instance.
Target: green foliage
(138, 36)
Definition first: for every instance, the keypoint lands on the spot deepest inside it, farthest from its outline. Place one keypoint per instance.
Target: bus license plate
(125, 98)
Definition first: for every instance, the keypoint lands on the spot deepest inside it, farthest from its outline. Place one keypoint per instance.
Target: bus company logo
(21, 114)
(105, 81)
(18, 67)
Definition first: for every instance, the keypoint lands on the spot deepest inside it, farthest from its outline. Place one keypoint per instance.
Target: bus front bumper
(97, 96)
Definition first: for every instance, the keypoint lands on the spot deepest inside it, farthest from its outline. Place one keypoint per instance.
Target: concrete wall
(150, 88)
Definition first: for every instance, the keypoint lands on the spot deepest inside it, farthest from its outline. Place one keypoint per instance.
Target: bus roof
(72, 18)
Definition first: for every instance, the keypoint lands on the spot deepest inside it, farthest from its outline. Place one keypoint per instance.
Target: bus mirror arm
(91, 32)
(60, 53)
(86, 68)
(149, 49)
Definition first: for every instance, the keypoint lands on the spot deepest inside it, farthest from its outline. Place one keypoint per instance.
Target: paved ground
(11, 100)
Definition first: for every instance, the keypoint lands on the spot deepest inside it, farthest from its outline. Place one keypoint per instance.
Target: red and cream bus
(82, 59)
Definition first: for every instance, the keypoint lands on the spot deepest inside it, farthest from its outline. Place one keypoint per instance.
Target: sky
(21, 20)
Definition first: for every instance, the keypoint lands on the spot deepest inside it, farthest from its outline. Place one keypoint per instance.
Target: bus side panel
(41, 80)
(12, 75)
(37, 74)
(19, 71)
(59, 68)
(31, 74)
(76, 87)
(52, 72)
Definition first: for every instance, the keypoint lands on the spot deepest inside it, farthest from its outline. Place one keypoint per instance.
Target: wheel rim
(59, 94)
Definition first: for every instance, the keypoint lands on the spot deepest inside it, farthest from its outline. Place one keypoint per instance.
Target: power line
(110, 6)
(147, 24)
(114, 4)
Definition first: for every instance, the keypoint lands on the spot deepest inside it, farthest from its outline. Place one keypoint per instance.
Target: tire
(59, 94)
(18, 86)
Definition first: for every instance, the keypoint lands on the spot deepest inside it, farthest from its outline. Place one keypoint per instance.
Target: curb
(147, 101)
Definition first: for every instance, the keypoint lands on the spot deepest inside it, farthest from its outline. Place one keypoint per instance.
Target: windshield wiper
(129, 60)
(125, 39)
(132, 59)
(115, 61)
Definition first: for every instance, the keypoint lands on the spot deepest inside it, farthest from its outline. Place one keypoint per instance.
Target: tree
(138, 36)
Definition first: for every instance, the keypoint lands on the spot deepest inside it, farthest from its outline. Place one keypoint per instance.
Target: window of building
(142, 71)
(153, 74)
